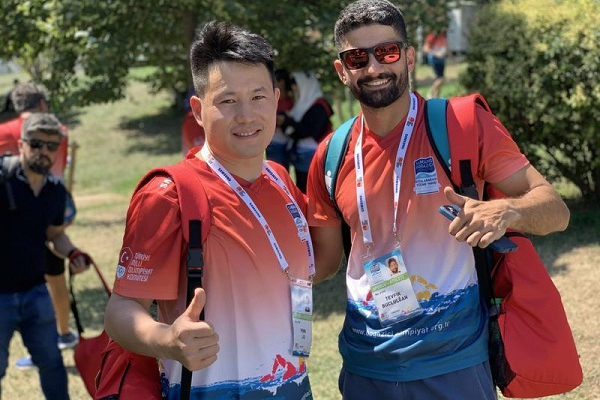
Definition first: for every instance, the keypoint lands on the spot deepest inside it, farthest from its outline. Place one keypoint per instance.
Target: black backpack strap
(195, 260)
(8, 166)
(194, 270)
(193, 203)
(195, 208)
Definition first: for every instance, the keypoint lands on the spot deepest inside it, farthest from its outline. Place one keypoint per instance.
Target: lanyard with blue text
(243, 195)
(300, 289)
(361, 198)
(388, 277)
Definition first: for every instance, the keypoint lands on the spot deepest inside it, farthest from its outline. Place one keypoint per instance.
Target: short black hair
(223, 41)
(28, 96)
(368, 12)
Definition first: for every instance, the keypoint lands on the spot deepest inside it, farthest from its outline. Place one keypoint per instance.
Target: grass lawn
(118, 142)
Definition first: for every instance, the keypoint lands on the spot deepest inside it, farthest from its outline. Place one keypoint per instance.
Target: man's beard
(40, 165)
(380, 98)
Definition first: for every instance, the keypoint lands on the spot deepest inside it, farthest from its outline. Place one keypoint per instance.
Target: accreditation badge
(302, 310)
(391, 287)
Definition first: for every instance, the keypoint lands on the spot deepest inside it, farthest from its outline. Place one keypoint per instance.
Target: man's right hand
(195, 344)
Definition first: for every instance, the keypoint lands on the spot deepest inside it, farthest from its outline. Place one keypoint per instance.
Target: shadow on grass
(155, 134)
(583, 230)
(91, 303)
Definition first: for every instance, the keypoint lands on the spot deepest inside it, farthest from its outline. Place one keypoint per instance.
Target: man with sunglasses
(426, 337)
(29, 98)
(32, 205)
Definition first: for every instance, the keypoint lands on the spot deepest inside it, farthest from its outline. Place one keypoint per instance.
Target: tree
(539, 72)
(82, 50)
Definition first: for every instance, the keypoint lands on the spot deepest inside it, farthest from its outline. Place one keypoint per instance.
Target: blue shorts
(438, 65)
(301, 158)
(474, 383)
(277, 152)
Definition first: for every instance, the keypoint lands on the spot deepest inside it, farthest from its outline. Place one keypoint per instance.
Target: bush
(537, 63)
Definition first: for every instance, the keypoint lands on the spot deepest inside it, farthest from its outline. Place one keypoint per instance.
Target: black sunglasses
(384, 53)
(38, 144)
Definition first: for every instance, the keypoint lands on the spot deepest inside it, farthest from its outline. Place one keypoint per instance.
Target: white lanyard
(243, 195)
(361, 198)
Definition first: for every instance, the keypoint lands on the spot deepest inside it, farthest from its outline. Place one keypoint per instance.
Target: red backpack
(539, 357)
(532, 351)
(119, 373)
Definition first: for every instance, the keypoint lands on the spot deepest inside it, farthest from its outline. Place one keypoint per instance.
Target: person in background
(192, 134)
(257, 259)
(8, 104)
(436, 48)
(307, 124)
(277, 150)
(32, 205)
(392, 211)
(29, 98)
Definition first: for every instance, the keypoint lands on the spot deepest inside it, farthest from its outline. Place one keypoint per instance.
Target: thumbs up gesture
(194, 343)
(480, 222)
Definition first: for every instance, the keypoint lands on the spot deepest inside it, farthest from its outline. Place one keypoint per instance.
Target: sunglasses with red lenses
(384, 53)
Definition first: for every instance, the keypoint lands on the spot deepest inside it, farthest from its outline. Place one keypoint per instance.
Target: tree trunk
(190, 23)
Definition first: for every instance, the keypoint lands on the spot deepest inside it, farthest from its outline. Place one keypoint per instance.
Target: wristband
(73, 254)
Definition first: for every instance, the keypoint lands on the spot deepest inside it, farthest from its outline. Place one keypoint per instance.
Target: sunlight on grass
(141, 73)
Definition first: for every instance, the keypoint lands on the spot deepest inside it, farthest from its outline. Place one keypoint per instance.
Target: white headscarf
(310, 90)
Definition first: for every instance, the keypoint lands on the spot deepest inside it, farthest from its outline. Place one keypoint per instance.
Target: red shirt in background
(192, 134)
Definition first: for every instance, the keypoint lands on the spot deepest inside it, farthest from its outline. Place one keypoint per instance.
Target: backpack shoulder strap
(454, 136)
(8, 167)
(334, 156)
(464, 134)
(437, 130)
(195, 209)
(193, 200)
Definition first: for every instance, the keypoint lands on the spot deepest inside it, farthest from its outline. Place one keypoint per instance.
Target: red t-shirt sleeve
(500, 154)
(151, 256)
(321, 211)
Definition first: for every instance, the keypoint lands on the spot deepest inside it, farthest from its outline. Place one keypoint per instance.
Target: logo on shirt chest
(298, 221)
(426, 181)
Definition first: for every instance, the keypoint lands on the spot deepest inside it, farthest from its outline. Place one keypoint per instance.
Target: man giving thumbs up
(258, 258)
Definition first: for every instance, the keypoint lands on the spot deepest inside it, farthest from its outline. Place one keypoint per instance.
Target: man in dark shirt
(32, 204)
